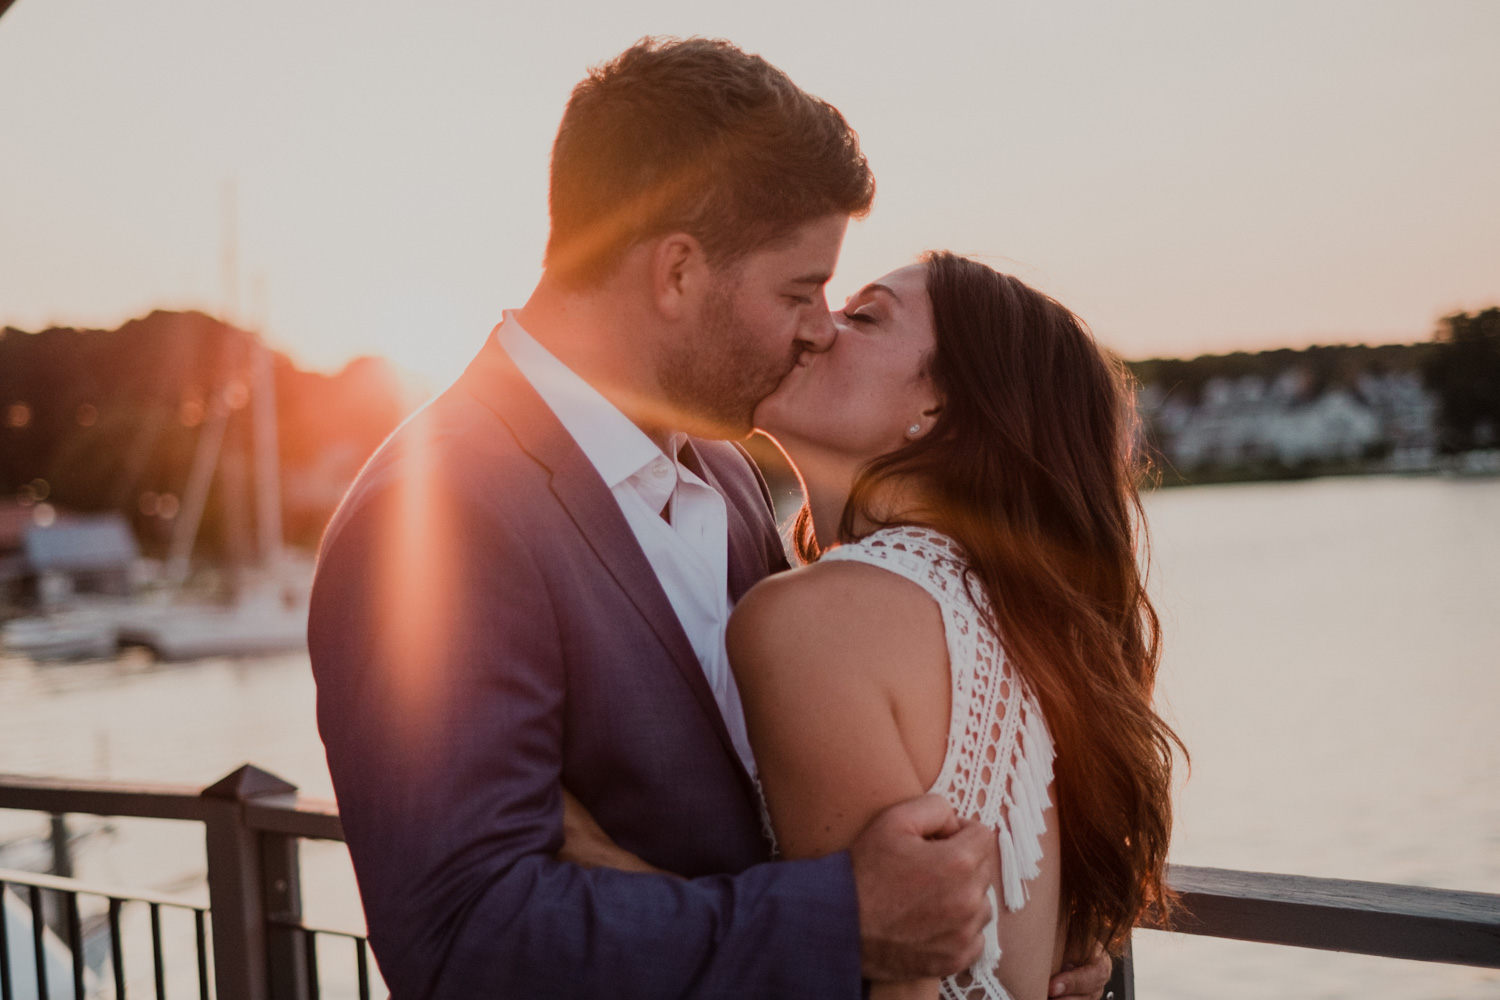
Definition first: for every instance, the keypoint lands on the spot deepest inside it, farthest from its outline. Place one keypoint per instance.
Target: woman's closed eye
(860, 317)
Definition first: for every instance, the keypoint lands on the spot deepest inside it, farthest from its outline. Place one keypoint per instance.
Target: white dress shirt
(679, 520)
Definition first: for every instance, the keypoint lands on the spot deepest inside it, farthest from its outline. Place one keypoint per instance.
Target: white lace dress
(999, 759)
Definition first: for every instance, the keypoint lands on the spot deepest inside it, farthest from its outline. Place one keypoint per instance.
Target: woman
(972, 620)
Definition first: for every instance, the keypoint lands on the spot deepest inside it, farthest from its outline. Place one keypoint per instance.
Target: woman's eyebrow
(877, 287)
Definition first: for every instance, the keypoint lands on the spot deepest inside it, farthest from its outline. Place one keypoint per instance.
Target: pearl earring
(914, 430)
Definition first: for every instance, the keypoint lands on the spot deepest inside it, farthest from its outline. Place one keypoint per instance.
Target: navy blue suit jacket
(484, 630)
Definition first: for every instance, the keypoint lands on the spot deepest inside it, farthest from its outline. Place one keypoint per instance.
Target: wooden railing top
(101, 798)
(278, 812)
(1367, 918)
(295, 816)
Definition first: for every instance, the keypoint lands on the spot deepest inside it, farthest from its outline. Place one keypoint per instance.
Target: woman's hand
(586, 844)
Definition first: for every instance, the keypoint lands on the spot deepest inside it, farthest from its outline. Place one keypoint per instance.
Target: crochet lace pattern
(999, 758)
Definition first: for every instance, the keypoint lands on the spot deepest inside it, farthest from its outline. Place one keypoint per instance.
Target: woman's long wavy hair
(1032, 467)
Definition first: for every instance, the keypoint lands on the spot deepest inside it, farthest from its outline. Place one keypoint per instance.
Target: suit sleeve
(440, 689)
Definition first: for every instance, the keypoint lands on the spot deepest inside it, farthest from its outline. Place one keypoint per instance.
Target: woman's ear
(932, 407)
(678, 275)
(929, 418)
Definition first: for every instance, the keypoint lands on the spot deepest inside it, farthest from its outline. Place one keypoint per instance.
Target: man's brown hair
(700, 137)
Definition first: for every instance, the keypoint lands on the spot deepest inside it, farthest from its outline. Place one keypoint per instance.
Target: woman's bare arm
(843, 671)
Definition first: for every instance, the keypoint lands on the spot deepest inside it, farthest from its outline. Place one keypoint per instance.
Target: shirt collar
(615, 446)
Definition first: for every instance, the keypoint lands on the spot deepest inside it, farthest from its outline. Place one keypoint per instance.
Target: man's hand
(1083, 982)
(585, 843)
(921, 874)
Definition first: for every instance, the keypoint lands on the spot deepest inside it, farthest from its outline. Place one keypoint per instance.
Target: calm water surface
(1332, 661)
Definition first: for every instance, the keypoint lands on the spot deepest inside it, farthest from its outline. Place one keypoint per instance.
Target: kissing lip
(799, 362)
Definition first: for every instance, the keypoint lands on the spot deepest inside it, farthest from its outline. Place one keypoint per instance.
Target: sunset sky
(1190, 177)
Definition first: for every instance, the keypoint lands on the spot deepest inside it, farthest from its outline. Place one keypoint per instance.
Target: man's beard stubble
(714, 382)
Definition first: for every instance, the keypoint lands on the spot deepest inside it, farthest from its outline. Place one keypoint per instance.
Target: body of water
(1332, 660)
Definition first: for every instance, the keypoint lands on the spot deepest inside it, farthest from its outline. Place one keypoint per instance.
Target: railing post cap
(247, 782)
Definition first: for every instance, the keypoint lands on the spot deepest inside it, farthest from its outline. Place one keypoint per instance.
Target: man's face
(762, 313)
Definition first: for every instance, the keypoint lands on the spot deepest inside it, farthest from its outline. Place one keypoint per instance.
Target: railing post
(1122, 980)
(282, 883)
(54, 911)
(237, 884)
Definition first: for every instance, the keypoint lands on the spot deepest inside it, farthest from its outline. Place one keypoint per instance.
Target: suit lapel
(746, 558)
(494, 380)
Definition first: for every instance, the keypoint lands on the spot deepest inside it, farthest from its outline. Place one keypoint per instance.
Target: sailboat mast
(267, 463)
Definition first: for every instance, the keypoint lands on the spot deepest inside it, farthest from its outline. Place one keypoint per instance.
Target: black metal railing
(66, 893)
(251, 941)
(253, 944)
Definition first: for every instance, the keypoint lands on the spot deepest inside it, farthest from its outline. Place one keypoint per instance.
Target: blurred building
(1253, 422)
(47, 557)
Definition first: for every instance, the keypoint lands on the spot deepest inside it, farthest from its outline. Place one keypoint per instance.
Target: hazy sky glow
(1190, 177)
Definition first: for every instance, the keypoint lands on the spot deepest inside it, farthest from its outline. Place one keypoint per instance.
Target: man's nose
(818, 331)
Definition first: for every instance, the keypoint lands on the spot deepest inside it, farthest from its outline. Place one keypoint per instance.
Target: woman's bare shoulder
(845, 615)
(829, 581)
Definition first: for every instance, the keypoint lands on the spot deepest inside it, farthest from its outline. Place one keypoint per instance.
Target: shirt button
(659, 470)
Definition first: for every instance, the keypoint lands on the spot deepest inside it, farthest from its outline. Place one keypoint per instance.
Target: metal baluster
(117, 947)
(75, 942)
(161, 975)
(198, 919)
(5, 989)
(37, 927)
(311, 942)
(364, 968)
(310, 939)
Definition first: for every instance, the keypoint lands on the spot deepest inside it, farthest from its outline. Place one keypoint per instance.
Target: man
(526, 590)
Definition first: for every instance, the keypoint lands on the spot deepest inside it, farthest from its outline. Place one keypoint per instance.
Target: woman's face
(862, 397)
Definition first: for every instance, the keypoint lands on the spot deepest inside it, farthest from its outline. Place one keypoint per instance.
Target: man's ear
(679, 275)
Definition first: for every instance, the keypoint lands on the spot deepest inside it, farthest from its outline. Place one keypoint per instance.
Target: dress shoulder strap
(926, 557)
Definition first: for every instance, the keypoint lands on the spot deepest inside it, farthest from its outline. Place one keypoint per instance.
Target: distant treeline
(94, 420)
(1326, 367)
(1463, 369)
